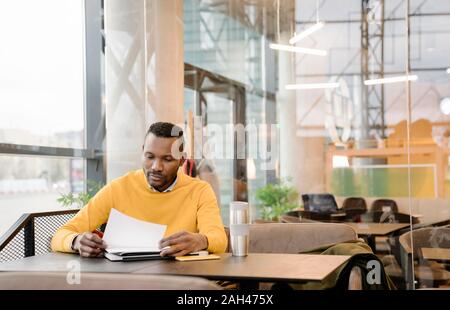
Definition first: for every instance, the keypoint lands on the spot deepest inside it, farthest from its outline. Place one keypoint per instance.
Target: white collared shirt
(169, 189)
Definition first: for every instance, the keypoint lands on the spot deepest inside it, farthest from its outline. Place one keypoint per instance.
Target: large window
(43, 149)
(41, 76)
(33, 184)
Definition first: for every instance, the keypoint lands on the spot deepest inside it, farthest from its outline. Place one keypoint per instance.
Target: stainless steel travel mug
(239, 227)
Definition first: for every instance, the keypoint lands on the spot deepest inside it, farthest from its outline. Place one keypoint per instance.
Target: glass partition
(347, 99)
(219, 152)
(231, 69)
(428, 244)
(381, 130)
(341, 121)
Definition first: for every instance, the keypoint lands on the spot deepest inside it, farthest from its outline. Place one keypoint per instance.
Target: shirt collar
(169, 189)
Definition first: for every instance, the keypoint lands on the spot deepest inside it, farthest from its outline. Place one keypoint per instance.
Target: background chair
(427, 273)
(296, 237)
(320, 203)
(101, 281)
(354, 207)
(31, 234)
(293, 238)
(392, 262)
(384, 205)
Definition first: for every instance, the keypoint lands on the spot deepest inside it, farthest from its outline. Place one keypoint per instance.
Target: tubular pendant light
(445, 106)
(394, 79)
(295, 49)
(306, 32)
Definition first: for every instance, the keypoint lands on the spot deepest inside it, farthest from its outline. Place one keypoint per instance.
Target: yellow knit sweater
(190, 206)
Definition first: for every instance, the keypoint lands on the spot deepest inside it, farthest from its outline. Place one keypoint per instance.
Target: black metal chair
(392, 262)
(384, 205)
(320, 203)
(426, 273)
(354, 207)
(32, 233)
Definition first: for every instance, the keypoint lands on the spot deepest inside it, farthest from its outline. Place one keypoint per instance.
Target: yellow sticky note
(196, 257)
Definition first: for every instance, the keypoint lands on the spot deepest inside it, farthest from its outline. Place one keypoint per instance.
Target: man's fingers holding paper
(183, 243)
(176, 250)
(87, 251)
(92, 244)
(171, 237)
(174, 241)
(96, 239)
(89, 245)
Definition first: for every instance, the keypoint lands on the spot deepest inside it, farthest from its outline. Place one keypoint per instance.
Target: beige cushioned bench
(101, 281)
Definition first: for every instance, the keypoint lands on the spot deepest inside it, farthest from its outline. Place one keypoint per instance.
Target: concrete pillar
(144, 75)
(165, 36)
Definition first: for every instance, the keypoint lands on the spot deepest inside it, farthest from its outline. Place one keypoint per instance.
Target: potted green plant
(276, 199)
(82, 198)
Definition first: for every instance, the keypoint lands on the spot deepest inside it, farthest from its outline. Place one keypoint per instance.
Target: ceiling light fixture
(394, 79)
(295, 49)
(311, 86)
(445, 106)
(306, 32)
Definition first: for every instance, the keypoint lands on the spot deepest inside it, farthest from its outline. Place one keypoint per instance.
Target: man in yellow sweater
(157, 193)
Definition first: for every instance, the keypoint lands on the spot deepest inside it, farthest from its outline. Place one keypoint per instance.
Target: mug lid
(238, 205)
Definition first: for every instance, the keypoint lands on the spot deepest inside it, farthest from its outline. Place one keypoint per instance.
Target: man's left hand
(182, 243)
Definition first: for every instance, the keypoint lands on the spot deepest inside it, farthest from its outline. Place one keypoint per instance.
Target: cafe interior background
(349, 98)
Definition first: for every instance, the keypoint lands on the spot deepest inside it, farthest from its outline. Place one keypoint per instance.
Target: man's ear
(183, 158)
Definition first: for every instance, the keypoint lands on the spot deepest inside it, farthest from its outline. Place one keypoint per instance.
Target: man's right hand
(89, 245)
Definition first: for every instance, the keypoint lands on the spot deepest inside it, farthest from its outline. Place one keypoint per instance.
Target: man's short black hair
(166, 130)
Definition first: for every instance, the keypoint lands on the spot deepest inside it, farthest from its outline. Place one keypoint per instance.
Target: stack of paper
(130, 239)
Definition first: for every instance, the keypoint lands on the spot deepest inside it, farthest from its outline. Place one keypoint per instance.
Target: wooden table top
(439, 254)
(63, 262)
(254, 267)
(377, 229)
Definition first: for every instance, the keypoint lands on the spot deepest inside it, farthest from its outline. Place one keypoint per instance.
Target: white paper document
(125, 234)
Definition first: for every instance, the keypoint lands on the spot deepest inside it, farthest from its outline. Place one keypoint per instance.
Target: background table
(371, 230)
(377, 229)
(437, 254)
